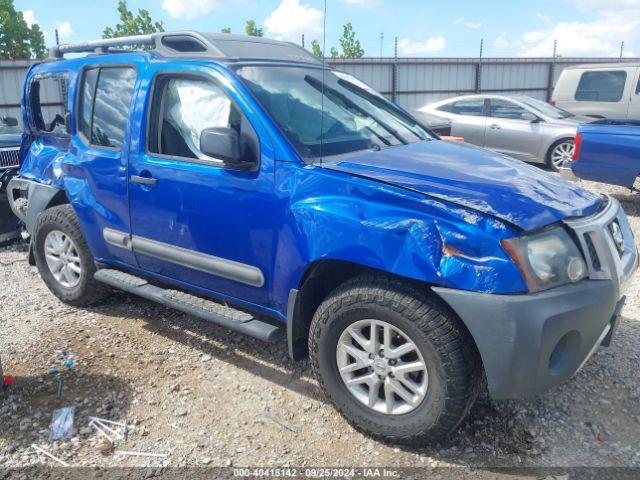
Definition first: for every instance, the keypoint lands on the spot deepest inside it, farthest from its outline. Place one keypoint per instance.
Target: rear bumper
(529, 343)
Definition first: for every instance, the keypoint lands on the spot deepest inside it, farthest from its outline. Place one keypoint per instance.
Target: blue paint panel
(609, 152)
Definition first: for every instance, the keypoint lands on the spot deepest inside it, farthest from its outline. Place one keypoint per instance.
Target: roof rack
(196, 44)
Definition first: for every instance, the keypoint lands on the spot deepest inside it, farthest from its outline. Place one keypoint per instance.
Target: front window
(355, 116)
(545, 108)
(505, 109)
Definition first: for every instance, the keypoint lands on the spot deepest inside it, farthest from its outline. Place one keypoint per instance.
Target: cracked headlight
(547, 259)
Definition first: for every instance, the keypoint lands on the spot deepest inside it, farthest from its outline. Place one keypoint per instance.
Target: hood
(520, 194)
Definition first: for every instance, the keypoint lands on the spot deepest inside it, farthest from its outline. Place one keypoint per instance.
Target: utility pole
(303, 40)
(552, 70)
(381, 39)
(395, 48)
(394, 71)
(57, 38)
(621, 49)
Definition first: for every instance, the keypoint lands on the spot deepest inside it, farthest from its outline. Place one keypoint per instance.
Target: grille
(9, 157)
(595, 261)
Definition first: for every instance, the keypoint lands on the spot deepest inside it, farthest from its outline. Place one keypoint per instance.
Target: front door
(511, 134)
(194, 218)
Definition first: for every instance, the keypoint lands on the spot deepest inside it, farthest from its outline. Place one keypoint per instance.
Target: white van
(608, 90)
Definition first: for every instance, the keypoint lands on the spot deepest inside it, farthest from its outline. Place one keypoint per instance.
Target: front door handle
(148, 181)
(495, 126)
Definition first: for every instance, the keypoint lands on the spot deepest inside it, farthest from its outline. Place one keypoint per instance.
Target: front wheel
(396, 363)
(63, 257)
(560, 153)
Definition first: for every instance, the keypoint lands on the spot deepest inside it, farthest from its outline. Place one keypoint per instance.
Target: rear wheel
(559, 153)
(63, 258)
(395, 362)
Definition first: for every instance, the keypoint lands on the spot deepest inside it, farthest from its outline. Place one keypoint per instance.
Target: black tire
(549, 161)
(88, 291)
(453, 364)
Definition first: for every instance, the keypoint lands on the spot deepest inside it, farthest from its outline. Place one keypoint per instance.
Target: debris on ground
(62, 423)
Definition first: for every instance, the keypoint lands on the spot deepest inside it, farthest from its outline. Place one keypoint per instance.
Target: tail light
(576, 146)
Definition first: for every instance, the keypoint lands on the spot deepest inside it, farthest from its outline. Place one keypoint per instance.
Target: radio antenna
(324, 55)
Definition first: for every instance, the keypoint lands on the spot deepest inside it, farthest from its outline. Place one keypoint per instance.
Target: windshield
(545, 108)
(356, 117)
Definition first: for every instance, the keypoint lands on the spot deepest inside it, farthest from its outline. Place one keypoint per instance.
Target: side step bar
(214, 312)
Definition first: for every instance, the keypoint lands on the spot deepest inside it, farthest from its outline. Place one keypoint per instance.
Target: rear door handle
(149, 181)
(495, 126)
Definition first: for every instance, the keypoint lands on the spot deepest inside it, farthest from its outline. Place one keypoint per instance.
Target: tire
(558, 145)
(453, 365)
(61, 222)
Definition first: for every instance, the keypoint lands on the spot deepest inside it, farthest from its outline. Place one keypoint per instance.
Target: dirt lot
(204, 396)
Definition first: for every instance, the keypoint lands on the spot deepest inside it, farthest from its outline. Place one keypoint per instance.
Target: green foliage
(226, 30)
(17, 40)
(252, 29)
(350, 46)
(316, 50)
(140, 24)
(334, 52)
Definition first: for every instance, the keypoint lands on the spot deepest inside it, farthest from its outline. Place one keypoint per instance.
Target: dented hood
(520, 194)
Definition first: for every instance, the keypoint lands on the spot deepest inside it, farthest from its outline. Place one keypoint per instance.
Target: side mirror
(530, 117)
(222, 143)
(10, 121)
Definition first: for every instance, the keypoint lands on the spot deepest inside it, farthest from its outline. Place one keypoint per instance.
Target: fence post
(552, 71)
(479, 69)
(394, 72)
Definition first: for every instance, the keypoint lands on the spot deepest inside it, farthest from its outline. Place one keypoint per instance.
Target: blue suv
(242, 181)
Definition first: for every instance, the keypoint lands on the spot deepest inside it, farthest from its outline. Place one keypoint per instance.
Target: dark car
(10, 138)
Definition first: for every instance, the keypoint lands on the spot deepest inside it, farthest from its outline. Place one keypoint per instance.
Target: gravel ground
(205, 396)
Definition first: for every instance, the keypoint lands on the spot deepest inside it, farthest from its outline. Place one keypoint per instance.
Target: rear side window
(105, 100)
(48, 100)
(473, 107)
(599, 86)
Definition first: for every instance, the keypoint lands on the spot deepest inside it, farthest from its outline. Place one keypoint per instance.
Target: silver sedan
(515, 125)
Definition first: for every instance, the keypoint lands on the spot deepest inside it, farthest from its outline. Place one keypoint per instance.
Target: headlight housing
(547, 259)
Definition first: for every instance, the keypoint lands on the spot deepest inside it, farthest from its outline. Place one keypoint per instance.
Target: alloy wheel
(563, 152)
(62, 258)
(382, 367)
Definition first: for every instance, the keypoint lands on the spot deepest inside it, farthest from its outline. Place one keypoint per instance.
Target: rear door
(509, 133)
(96, 179)
(468, 119)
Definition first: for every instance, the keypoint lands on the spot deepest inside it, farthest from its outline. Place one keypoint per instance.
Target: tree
(252, 29)
(17, 40)
(141, 24)
(334, 52)
(36, 39)
(226, 30)
(350, 46)
(316, 50)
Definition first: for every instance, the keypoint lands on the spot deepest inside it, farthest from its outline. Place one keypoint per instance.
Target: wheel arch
(324, 276)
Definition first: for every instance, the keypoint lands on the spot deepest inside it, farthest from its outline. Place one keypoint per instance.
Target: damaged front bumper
(530, 342)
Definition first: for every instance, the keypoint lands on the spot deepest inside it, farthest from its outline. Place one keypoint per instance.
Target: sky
(424, 28)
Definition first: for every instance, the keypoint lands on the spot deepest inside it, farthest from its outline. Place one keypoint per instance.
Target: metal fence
(413, 82)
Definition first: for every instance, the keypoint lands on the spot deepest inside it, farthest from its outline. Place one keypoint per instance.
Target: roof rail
(100, 46)
(196, 44)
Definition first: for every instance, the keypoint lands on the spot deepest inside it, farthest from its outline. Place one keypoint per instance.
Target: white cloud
(471, 25)
(189, 9)
(543, 17)
(501, 41)
(615, 21)
(29, 17)
(430, 45)
(291, 19)
(362, 3)
(65, 30)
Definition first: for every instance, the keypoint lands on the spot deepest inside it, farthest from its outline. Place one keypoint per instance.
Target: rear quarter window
(601, 86)
(48, 103)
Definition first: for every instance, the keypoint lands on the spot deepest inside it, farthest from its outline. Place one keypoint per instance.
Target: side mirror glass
(529, 117)
(9, 121)
(222, 143)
